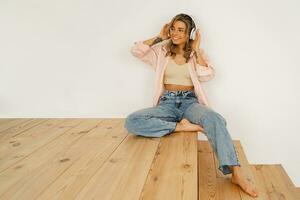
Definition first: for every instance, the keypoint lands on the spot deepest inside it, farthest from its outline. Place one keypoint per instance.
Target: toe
(254, 192)
(184, 120)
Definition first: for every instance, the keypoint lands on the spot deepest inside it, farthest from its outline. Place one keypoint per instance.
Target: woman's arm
(153, 41)
(204, 68)
(199, 58)
(146, 52)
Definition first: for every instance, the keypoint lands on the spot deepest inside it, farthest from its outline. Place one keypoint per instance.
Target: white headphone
(192, 35)
(193, 31)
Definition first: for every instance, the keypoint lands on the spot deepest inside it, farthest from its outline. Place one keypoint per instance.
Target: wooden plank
(204, 146)
(75, 170)
(123, 175)
(207, 172)
(237, 145)
(211, 187)
(284, 175)
(173, 174)
(42, 166)
(263, 193)
(18, 170)
(285, 180)
(92, 150)
(4, 120)
(227, 190)
(14, 131)
(246, 168)
(275, 186)
(32, 139)
(12, 123)
(298, 192)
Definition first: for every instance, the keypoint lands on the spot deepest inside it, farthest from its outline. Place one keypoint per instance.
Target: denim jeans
(161, 120)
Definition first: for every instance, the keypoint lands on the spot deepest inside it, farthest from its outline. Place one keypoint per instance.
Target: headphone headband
(193, 26)
(190, 19)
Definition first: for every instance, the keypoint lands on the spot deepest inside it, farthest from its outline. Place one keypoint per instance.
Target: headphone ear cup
(192, 34)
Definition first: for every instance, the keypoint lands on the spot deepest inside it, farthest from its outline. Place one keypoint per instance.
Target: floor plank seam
(30, 128)
(16, 124)
(149, 171)
(34, 150)
(108, 157)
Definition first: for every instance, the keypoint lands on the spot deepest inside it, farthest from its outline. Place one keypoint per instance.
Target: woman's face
(178, 33)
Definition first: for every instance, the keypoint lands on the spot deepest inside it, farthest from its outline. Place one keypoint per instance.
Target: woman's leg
(215, 128)
(152, 122)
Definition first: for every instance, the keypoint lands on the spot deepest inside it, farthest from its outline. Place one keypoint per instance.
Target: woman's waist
(179, 93)
(173, 87)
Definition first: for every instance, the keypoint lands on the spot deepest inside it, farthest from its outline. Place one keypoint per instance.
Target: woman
(180, 103)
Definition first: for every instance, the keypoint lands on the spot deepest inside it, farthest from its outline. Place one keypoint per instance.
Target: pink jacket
(155, 57)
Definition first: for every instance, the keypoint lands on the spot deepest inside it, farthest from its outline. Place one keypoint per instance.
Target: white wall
(71, 59)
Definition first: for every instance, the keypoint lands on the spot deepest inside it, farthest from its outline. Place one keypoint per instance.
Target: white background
(72, 59)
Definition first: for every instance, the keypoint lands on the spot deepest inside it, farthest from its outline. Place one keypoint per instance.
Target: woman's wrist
(199, 58)
(157, 40)
(163, 37)
(197, 53)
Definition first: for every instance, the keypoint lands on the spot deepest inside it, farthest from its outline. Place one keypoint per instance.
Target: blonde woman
(179, 103)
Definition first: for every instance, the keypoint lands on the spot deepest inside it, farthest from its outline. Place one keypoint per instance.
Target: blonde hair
(190, 24)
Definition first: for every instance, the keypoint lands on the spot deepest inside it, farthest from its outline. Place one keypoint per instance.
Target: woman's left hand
(196, 42)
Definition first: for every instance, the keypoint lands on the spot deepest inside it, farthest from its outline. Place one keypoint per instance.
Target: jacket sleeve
(205, 73)
(145, 53)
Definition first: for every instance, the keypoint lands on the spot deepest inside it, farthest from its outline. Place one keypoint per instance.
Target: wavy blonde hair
(171, 47)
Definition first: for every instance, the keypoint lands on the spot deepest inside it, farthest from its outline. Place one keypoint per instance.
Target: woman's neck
(179, 49)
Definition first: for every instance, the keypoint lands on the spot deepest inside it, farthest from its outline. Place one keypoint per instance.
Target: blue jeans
(161, 120)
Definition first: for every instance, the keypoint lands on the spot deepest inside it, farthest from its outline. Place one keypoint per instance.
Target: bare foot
(239, 179)
(184, 121)
(186, 125)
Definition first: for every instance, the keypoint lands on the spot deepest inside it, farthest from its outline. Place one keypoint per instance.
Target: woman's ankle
(236, 170)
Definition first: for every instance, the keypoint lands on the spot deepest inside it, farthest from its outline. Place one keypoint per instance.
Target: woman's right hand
(164, 33)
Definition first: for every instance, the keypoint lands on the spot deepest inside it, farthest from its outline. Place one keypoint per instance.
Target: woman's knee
(130, 119)
(215, 117)
(133, 120)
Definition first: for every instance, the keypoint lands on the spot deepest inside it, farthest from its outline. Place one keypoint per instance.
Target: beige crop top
(177, 74)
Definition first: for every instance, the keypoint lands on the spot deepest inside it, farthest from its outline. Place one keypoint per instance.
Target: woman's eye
(172, 29)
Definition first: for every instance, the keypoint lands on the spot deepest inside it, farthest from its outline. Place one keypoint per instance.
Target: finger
(197, 36)
(198, 32)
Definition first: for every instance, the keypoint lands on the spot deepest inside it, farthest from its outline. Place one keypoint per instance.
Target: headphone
(192, 35)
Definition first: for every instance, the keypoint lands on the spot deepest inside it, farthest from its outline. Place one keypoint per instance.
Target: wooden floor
(98, 159)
